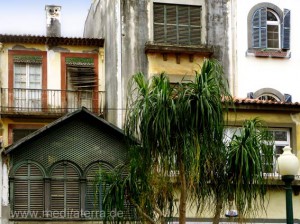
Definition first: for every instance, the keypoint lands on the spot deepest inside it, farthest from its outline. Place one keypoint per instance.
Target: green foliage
(248, 155)
(176, 147)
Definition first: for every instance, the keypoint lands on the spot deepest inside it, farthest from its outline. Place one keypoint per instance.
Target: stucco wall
(255, 73)
(103, 21)
(126, 26)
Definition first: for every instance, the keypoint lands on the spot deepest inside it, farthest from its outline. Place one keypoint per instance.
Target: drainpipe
(119, 64)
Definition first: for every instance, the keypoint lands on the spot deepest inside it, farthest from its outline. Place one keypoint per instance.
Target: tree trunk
(219, 206)
(183, 194)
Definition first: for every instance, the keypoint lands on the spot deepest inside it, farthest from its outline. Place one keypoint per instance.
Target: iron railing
(49, 101)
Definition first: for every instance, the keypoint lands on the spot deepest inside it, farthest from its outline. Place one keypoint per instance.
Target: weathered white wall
(253, 73)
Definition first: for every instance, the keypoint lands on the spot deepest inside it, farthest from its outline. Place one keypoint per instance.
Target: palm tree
(177, 150)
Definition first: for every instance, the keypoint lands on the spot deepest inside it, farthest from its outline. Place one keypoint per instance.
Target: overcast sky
(29, 16)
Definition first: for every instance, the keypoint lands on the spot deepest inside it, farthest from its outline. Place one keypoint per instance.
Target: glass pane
(35, 73)
(20, 75)
(280, 135)
(278, 150)
(271, 16)
(273, 36)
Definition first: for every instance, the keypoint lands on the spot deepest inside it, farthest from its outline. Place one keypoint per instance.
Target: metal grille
(78, 140)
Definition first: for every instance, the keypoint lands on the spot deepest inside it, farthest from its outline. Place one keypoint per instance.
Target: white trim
(180, 2)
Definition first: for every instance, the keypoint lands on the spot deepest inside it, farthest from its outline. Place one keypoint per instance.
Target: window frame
(182, 30)
(11, 72)
(11, 128)
(284, 24)
(274, 127)
(200, 3)
(27, 178)
(64, 84)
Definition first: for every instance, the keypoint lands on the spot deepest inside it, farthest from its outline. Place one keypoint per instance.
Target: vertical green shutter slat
(259, 28)
(286, 29)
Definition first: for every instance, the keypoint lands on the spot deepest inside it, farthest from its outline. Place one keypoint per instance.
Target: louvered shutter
(29, 191)
(171, 24)
(177, 24)
(259, 28)
(159, 23)
(195, 25)
(287, 98)
(286, 29)
(65, 192)
(183, 25)
(94, 191)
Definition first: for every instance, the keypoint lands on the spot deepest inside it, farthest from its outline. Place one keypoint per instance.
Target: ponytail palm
(177, 151)
(180, 130)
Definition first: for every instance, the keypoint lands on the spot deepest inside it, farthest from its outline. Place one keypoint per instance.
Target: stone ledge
(178, 49)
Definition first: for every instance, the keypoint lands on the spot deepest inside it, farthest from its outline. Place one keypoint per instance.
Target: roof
(255, 104)
(76, 114)
(32, 39)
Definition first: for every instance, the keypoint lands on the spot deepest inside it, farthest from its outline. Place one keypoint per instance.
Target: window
(27, 85)
(80, 81)
(27, 80)
(281, 138)
(28, 190)
(269, 97)
(177, 24)
(269, 27)
(19, 131)
(270, 94)
(64, 190)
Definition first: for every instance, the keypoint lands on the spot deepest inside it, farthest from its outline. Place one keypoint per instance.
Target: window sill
(269, 53)
(178, 49)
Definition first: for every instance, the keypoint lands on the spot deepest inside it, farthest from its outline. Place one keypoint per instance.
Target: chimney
(53, 20)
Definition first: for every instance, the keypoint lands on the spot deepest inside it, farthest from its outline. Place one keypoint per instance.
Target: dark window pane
(280, 136)
(271, 16)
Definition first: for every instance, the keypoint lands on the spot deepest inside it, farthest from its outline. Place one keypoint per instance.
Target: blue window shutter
(287, 98)
(259, 28)
(286, 29)
(250, 95)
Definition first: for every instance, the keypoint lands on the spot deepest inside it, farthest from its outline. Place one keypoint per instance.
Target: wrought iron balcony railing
(38, 101)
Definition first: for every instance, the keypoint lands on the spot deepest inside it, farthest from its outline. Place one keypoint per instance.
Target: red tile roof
(256, 104)
(52, 41)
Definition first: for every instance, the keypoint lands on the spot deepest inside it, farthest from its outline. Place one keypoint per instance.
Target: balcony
(37, 102)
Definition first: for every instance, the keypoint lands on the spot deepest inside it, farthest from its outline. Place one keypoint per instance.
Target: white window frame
(274, 23)
(230, 130)
(25, 96)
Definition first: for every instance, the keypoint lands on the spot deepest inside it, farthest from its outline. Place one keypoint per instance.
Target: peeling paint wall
(119, 22)
(128, 32)
(217, 30)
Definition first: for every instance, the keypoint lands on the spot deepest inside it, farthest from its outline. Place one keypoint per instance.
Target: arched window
(271, 97)
(269, 27)
(28, 190)
(65, 190)
(94, 189)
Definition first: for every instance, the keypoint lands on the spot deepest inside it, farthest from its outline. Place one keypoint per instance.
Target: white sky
(28, 17)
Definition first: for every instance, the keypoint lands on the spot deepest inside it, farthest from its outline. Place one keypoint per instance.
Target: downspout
(233, 49)
(119, 65)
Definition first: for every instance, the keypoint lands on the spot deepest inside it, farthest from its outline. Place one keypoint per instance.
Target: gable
(80, 138)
